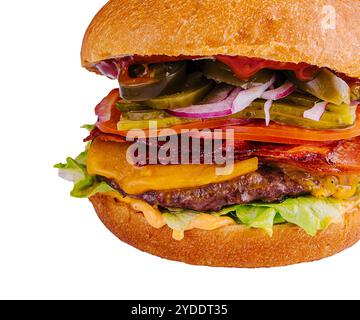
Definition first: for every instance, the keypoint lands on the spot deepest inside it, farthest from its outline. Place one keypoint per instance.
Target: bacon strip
(96, 133)
(340, 157)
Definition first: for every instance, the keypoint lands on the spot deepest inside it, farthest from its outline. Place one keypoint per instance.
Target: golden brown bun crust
(284, 30)
(232, 246)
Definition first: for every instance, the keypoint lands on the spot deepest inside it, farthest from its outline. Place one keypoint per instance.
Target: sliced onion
(279, 93)
(267, 107)
(246, 97)
(108, 68)
(71, 175)
(354, 103)
(219, 93)
(316, 112)
(210, 110)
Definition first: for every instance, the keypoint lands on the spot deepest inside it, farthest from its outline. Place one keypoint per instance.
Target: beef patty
(266, 184)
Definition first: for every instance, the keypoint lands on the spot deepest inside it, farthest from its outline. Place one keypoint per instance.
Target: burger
(271, 88)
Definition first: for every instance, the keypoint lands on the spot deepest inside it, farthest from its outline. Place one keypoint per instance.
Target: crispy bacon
(104, 109)
(339, 157)
(96, 133)
(346, 156)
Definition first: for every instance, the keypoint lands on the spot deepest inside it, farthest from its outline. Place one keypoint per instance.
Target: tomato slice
(248, 131)
(277, 132)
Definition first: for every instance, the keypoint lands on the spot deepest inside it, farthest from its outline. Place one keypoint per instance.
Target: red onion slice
(246, 97)
(108, 68)
(206, 111)
(279, 93)
(267, 107)
(316, 112)
(354, 103)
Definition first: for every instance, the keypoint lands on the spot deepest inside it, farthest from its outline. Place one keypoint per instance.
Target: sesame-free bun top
(325, 33)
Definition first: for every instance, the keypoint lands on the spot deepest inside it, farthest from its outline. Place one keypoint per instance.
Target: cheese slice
(108, 159)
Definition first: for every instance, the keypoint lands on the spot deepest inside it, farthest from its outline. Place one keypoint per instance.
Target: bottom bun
(231, 246)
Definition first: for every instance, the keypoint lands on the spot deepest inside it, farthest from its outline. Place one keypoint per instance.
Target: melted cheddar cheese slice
(109, 159)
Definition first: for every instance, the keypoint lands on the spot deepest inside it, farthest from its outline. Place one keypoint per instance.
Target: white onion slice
(267, 107)
(211, 110)
(279, 93)
(316, 112)
(246, 97)
(71, 175)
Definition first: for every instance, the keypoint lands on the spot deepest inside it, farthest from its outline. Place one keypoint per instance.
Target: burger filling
(295, 148)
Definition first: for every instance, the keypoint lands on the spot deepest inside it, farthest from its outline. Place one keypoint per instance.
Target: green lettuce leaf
(89, 127)
(310, 213)
(178, 220)
(257, 217)
(85, 186)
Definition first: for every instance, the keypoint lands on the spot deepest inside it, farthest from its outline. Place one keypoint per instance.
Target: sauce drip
(243, 67)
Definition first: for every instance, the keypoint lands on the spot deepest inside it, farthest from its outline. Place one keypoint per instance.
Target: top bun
(325, 33)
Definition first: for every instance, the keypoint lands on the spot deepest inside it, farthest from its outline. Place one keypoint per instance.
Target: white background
(53, 246)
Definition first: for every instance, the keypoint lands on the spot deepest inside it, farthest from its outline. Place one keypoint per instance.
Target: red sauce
(243, 67)
(349, 80)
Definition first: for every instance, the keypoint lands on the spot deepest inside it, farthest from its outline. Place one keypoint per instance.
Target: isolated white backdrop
(53, 246)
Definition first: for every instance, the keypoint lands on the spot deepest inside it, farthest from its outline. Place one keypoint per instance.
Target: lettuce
(309, 213)
(257, 217)
(85, 186)
(178, 220)
(88, 127)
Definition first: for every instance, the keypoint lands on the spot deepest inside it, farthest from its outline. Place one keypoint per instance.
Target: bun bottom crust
(231, 246)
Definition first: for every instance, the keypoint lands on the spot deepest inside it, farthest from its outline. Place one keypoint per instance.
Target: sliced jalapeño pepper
(144, 82)
(221, 73)
(125, 106)
(326, 86)
(196, 88)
